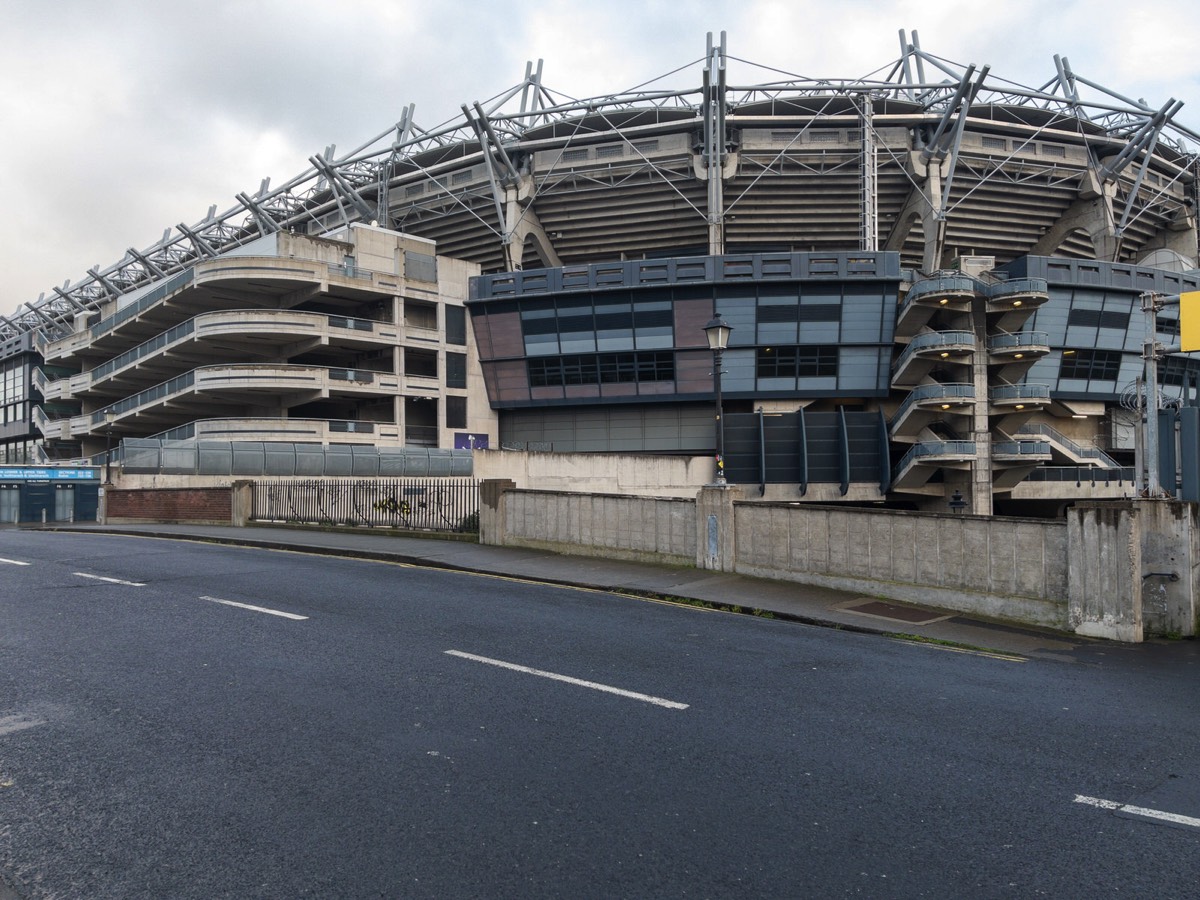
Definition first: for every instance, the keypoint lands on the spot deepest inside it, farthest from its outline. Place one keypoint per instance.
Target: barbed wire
(1134, 399)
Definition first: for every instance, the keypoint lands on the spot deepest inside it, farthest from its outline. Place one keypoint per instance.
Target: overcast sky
(123, 117)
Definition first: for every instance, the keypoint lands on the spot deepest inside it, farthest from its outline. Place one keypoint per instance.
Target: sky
(119, 119)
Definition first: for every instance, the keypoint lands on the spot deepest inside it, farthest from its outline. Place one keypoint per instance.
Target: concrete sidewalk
(784, 599)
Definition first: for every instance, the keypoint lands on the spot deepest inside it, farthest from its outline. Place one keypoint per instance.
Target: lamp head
(717, 332)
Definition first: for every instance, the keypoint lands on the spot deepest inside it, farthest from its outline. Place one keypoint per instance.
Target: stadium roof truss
(918, 157)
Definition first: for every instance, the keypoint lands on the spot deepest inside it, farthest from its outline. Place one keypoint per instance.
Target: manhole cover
(883, 610)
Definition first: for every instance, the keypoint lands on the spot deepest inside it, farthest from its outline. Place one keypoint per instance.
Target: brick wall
(197, 505)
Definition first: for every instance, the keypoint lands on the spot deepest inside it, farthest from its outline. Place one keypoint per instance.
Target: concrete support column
(1169, 537)
(1133, 569)
(716, 542)
(924, 202)
(521, 224)
(981, 426)
(241, 502)
(933, 217)
(1104, 562)
(491, 510)
(1093, 213)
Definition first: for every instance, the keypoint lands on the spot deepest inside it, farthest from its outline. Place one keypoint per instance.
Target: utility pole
(1152, 352)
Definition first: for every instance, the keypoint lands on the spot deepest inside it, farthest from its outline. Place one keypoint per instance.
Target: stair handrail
(1076, 448)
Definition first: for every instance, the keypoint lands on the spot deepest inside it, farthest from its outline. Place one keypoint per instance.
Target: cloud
(128, 117)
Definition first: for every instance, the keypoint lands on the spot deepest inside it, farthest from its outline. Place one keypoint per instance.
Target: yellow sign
(1189, 321)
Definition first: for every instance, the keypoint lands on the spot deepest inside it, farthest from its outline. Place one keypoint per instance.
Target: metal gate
(421, 504)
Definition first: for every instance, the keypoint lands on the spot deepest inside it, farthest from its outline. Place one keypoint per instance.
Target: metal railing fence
(423, 504)
(263, 459)
(1078, 449)
(963, 449)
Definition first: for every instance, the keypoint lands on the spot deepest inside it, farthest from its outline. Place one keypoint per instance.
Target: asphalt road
(404, 732)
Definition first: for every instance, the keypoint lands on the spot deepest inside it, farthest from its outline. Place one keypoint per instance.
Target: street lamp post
(717, 332)
(108, 424)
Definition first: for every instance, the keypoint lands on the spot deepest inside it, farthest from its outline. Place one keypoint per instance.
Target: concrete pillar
(1133, 569)
(716, 543)
(1169, 536)
(521, 224)
(1093, 213)
(923, 203)
(981, 428)
(241, 503)
(491, 510)
(1104, 564)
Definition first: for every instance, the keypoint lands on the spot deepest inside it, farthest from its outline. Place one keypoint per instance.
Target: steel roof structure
(924, 156)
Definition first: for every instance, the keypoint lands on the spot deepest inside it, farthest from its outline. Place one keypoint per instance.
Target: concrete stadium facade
(358, 338)
(959, 256)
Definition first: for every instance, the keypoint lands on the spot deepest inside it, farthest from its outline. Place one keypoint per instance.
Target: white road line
(1139, 811)
(970, 651)
(111, 580)
(9, 724)
(261, 609)
(633, 695)
(13, 562)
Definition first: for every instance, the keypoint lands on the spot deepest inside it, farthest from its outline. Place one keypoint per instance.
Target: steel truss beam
(941, 90)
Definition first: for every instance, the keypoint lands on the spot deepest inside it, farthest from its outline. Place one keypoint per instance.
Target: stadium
(934, 277)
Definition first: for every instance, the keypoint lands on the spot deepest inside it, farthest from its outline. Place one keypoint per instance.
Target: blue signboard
(465, 440)
(23, 473)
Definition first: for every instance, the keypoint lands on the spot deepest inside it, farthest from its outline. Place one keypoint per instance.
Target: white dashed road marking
(1173, 818)
(261, 609)
(9, 724)
(111, 580)
(13, 562)
(633, 695)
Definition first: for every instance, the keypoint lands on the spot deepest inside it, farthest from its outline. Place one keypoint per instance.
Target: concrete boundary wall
(623, 474)
(1002, 568)
(1013, 569)
(637, 528)
(1117, 570)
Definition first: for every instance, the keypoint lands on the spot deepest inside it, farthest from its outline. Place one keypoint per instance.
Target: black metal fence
(424, 504)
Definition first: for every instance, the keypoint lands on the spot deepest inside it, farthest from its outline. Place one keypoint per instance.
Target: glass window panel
(456, 370)
(541, 344)
(782, 333)
(818, 333)
(456, 325)
(778, 311)
(614, 340)
(651, 338)
(577, 343)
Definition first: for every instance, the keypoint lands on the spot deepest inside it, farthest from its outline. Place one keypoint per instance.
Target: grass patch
(951, 645)
(704, 604)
